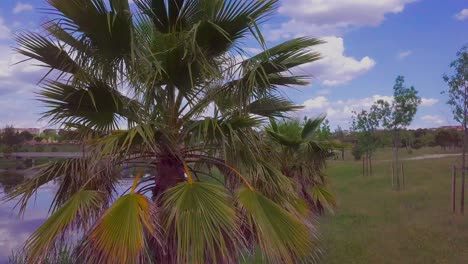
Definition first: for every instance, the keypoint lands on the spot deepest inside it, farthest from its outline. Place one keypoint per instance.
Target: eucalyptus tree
(458, 99)
(365, 123)
(397, 115)
(165, 85)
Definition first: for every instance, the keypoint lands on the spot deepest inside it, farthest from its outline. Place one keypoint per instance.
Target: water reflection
(15, 230)
(10, 179)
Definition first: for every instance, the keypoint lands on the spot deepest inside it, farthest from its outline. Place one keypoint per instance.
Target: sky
(368, 44)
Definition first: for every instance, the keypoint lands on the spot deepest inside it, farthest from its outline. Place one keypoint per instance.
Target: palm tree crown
(165, 86)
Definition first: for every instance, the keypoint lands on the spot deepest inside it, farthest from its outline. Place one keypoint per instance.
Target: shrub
(357, 152)
(39, 148)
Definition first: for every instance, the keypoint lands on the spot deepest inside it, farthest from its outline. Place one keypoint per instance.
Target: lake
(15, 230)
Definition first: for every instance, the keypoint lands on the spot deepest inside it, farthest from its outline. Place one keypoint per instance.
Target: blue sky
(369, 43)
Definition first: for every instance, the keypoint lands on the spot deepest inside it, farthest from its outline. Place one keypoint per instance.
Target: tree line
(11, 139)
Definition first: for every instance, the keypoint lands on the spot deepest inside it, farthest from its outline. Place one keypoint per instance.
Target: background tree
(26, 135)
(325, 131)
(443, 138)
(397, 115)
(68, 134)
(10, 138)
(365, 124)
(340, 135)
(50, 134)
(458, 99)
(193, 103)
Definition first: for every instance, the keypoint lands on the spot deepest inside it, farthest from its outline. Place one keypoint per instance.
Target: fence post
(402, 176)
(454, 188)
(363, 166)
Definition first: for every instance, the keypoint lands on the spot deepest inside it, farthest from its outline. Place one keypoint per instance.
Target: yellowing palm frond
(78, 211)
(121, 234)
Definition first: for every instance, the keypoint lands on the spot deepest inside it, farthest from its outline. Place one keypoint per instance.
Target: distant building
(33, 131)
(459, 128)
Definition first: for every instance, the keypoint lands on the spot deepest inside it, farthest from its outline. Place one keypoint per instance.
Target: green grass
(375, 224)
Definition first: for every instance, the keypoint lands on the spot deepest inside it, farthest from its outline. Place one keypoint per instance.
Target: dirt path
(430, 156)
(433, 156)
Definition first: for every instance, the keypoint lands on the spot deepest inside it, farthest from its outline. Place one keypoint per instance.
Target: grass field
(375, 224)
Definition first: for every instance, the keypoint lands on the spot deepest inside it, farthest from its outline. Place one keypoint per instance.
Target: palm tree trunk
(170, 172)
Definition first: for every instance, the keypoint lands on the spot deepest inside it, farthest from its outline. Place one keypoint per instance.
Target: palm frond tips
(203, 223)
(272, 107)
(36, 46)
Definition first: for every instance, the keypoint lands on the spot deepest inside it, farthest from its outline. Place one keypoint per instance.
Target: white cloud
(320, 102)
(428, 101)
(336, 68)
(403, 54)
(337, 15)
(433, 120)
(17, 84)
(22, 7)
(462, 15)
(332, 18)
(4, 30)
(324, 91)
(339, 112)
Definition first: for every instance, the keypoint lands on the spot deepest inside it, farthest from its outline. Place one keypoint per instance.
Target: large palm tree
(165, 86)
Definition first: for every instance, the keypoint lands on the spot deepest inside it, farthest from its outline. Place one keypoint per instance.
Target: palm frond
(71, 176)
(272, 106)
(108, 31)
(122, 233)
(79, 211)
(311, 128)
(94, 105)
(323, 197)
(203, 223)
(282, 237)
(38, 47)
(230, 21)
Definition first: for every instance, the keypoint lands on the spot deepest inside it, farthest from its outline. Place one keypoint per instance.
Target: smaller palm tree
(302, 157)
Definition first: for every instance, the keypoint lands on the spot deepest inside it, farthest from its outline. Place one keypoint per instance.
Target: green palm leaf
(272, 106)
(203, 222)
(311, 128)
(323, 197)
(282, 236)
(120, 235)
(76, 212)
(35, 46)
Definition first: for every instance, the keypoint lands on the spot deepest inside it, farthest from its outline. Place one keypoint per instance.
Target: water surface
(14, 230)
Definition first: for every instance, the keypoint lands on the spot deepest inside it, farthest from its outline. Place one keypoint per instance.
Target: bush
(39, 148)
(357, 152)
(62, 255)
